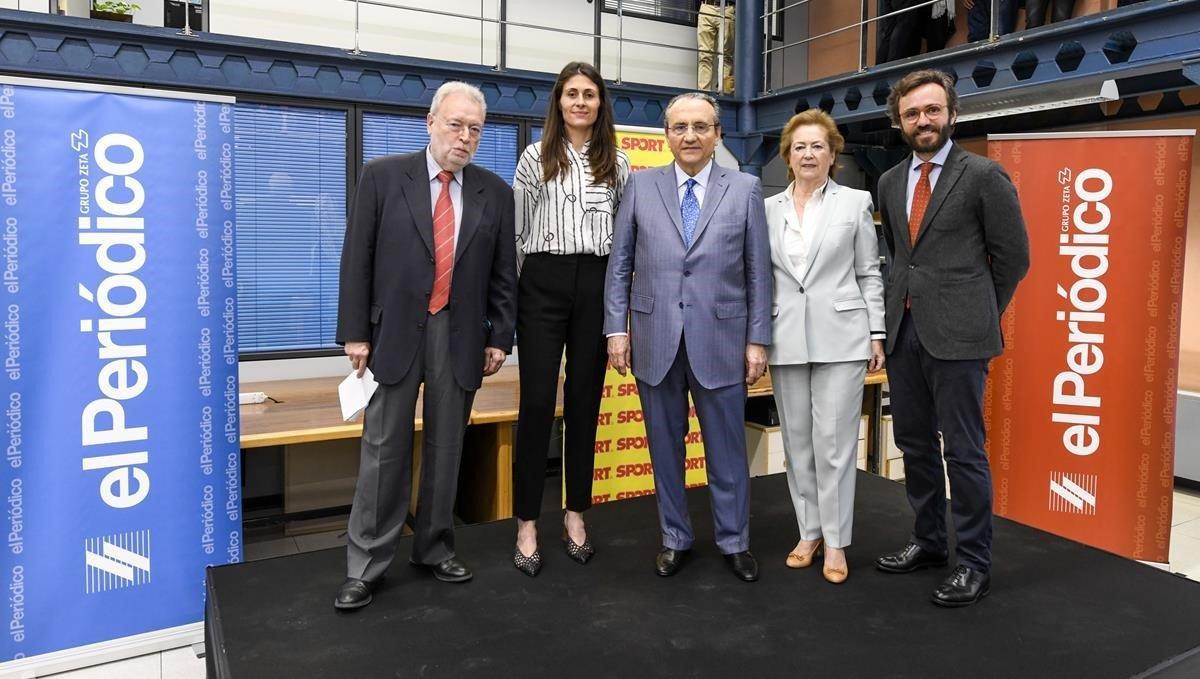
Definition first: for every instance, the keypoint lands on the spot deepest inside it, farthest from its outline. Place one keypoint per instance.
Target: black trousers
(900, 37)
(929, 395)
(560, 304)
(1035, 11)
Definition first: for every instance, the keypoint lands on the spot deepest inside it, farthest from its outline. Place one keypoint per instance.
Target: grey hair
(694, 95)
(458, 87)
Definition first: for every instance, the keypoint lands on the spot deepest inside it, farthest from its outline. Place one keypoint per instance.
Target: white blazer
(826, 313)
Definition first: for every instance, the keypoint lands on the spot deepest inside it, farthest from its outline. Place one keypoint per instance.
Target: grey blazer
(971, 251)
(826, 313)
(717, 292)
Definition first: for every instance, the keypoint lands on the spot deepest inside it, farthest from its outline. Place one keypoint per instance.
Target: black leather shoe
(910, 559)
(450, 570)
(353, 593)
(964, 587)
(669, 561)
(744, 565)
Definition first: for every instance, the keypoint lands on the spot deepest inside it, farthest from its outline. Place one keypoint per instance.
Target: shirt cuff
(617, 334)
(878, 335)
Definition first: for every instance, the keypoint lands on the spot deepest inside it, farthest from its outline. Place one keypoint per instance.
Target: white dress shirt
(701, 178)
(435, 190)
(798, 235)
(914, 173)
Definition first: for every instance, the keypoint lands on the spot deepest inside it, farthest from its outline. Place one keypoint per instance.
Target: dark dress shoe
(529, 565)
(909, 559)
(744, 565)
(353, 593)
(580, 554)
(964, 587)
(669, 561)
(450, 570)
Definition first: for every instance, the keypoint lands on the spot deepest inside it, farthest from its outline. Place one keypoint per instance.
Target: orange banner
(1080, 409)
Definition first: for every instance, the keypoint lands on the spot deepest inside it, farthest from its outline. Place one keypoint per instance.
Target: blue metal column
(746, 144)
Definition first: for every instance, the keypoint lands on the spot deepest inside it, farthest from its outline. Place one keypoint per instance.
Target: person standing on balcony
(567, 187)
(709, 40)
(900, 36)
(1035, 11)
(979, 18)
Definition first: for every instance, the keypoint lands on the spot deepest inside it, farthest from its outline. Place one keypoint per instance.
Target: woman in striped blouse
(567, 188)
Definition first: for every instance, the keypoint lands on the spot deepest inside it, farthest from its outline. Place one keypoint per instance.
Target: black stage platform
(1057, 609)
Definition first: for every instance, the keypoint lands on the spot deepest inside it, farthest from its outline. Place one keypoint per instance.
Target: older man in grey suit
(690, 273)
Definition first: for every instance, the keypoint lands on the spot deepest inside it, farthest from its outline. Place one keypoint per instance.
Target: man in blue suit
(688, 309)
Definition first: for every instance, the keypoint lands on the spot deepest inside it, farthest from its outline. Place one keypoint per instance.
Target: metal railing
(863, 24)
(502, 24)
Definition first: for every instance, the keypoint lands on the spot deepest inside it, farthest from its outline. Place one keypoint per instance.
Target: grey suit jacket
(716, 292)
(827, 312)
(971, 251)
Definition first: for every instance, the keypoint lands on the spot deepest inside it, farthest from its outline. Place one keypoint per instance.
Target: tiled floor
(182, 663)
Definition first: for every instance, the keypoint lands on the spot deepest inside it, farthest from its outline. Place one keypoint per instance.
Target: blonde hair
(817, 118)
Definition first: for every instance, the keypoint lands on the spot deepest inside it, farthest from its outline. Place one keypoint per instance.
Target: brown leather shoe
(795, 560)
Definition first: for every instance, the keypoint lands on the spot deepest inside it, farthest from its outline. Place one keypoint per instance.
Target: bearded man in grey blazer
(958, 248)
(687, 307)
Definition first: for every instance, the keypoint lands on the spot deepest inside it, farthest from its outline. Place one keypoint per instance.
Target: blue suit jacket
(717, 292)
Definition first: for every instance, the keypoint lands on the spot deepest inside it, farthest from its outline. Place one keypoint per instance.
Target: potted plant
(114, 10)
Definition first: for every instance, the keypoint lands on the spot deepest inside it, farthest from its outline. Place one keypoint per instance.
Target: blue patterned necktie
(691, 212)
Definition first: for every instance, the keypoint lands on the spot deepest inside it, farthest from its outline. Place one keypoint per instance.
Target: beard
(942, 136)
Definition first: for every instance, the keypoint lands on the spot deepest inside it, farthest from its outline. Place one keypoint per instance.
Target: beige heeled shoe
(795, 560)
(835, 576)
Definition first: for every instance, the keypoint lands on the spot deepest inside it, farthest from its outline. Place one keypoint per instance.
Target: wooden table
(307, 412)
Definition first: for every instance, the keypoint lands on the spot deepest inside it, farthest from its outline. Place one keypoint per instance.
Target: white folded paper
(355, 392)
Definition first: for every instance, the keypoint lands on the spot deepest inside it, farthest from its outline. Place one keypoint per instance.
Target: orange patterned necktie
(443, 245)
(920, 201)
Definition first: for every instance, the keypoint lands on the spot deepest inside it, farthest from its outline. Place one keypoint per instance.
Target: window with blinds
(384, 134)
(675, 11)
(290, 168)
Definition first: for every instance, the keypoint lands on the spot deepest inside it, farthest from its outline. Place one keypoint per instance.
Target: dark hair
(916, 79)
(602, 154)
(817, 118)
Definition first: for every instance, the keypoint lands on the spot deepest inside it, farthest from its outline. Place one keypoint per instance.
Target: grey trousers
(382, 494)
(819, 409)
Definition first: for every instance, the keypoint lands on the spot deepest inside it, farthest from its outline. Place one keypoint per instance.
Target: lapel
(670, 196)
(951, 172)
(416, 190)
(787, 212)
(473, 203)
(718, 183)
(828, 204)
(897, 200)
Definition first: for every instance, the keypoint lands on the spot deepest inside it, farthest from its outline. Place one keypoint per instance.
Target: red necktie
(920, 201)
(443, 245)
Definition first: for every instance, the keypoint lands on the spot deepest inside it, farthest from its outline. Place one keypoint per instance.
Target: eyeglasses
(932, 112)
(700, 129)
(457, 128)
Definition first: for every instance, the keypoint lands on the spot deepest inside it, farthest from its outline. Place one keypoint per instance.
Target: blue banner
(120, 394)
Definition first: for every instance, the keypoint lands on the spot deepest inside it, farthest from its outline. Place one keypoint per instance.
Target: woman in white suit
(827, 332)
